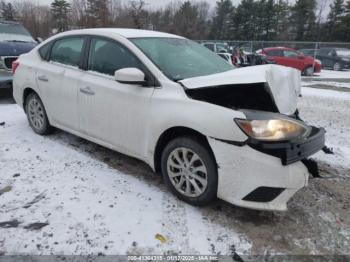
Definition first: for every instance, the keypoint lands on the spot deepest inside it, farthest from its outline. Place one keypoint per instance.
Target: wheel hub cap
(187, 172)
(36, 114)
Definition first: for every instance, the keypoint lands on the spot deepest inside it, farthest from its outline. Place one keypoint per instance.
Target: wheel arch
(172, 133)
(26, 92)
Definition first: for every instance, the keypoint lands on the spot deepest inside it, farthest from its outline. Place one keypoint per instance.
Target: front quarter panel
(170, 107)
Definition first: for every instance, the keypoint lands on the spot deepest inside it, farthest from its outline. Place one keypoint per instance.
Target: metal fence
(252, 46)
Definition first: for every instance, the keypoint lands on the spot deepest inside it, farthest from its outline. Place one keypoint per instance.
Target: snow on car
(209, 129)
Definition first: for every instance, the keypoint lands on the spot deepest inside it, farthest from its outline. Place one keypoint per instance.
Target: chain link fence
(332, 55)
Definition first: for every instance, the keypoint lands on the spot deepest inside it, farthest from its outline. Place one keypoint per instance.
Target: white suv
(209, 129)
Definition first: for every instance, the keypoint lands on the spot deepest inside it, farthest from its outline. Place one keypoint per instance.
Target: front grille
(8, 61)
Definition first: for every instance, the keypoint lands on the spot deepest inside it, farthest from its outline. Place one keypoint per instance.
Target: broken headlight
(272, 128)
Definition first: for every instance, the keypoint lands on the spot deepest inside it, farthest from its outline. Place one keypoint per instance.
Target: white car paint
(284, 83)
(131, 119)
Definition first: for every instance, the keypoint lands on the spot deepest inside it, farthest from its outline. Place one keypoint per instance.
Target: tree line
(266, 20)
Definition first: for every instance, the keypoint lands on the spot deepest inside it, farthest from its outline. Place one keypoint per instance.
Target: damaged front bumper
(266, 175)
(292, 151)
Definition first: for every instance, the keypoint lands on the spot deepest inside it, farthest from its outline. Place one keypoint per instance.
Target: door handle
(87, 90)
(43, 78)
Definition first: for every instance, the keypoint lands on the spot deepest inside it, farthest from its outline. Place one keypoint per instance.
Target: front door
(293, 59)
(112, 112)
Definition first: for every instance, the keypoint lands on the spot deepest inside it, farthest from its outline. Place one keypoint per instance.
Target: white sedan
(209, 129)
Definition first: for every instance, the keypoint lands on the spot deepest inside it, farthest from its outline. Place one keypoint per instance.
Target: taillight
(15, 65)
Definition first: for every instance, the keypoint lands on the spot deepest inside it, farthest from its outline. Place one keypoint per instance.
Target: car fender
(177, 110)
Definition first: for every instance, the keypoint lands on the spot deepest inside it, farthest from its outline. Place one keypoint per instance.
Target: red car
(292, 58)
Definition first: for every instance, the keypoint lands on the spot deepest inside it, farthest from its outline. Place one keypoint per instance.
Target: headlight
(273, 129)
(318, 61)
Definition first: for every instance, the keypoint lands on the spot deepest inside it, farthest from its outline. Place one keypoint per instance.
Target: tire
(336, 66)
(36, 115)
(202, 172)
(309, 71)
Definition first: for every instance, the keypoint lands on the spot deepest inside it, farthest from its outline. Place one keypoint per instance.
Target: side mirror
(39, 39)
(300, 57)
(130, 75)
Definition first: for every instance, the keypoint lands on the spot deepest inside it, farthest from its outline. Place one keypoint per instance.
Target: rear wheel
(189, 170)
(36, 115)
(337, 66)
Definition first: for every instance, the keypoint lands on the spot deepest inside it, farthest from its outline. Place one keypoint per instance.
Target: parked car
(217, 47)
(293, 58)
(334, 58)
(14, 41)
(227, 57)
(209, 129)
(308, 52)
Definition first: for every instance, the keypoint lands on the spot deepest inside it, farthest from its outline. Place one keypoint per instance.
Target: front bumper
(5, 79)
(292, 151)
(258, 180)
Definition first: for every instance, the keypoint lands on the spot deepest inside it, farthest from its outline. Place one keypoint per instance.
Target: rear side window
(108, 56)
(275, 53)
(289, 53)
(44, 51)
(67, 51)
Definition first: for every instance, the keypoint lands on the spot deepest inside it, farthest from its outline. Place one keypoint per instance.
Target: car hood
(15, 48)
(283, 83)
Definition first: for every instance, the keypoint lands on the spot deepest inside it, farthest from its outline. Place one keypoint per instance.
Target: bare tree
(138, 13)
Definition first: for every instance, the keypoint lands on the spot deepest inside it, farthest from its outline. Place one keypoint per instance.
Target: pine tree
(334, 26)
(59, 11)
(344, 27)
(245, 20)
(282, 14)
(7, 11)
(222, 21)
(303, 19)
(97, 13)
(186, 20)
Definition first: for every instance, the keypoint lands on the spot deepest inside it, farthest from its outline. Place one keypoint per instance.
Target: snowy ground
(63, 195)
(345, 74)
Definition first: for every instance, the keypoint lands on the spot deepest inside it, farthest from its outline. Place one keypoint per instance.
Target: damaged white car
(209, 129)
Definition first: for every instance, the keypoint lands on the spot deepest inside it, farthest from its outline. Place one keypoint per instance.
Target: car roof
(124, 32)
(278, 48)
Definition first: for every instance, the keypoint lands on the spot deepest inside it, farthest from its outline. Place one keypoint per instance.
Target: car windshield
(343, 52)
(181, 58)
(14, 33)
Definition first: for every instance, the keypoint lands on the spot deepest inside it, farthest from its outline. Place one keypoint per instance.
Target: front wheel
(190, 171)
(36, 115)
(309, 71)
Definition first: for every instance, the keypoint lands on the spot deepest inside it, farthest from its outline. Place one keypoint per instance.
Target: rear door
(113, 112)
(58, 81)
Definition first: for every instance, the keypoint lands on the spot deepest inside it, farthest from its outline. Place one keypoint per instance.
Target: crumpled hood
(15, 48)
(284, 83)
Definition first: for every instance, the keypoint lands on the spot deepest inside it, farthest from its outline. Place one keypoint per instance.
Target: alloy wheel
(336, 67)
(187, 172)
(36, 114)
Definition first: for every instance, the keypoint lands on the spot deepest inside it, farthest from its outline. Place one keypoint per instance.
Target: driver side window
(108, 56)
